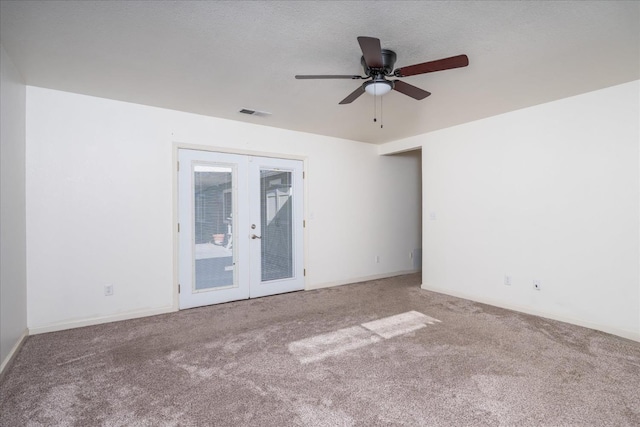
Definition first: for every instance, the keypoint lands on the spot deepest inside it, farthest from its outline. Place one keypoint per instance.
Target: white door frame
(216, 149)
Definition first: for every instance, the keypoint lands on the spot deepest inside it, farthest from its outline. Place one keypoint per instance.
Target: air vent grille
(254, 112)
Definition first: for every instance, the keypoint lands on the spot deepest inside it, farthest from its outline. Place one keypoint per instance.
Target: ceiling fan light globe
(378, 88)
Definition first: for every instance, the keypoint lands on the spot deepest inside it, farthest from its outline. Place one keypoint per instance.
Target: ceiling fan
(378, 65)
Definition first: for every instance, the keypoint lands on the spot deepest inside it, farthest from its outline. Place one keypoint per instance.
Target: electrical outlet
(507, 280)
(536, 284)
(108, 290)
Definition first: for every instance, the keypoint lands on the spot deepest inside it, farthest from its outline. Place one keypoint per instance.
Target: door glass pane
(213, 227)
(277, 224)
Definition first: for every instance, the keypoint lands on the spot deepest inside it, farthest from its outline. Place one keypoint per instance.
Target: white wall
(100, 207)
(550, 193)
(13, 282)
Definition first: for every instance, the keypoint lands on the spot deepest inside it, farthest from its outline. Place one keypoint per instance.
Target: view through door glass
(213, 227)
(276, 224)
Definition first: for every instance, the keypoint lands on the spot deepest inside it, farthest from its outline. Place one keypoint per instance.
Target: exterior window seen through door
(277, 227)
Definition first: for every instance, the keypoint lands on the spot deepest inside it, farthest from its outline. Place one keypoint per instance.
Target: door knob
(253, 236)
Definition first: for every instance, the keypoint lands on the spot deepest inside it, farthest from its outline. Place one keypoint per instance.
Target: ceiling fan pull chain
(381, 114)
(375, 112)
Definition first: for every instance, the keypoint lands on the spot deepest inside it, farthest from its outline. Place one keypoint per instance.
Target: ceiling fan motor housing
(388, 61)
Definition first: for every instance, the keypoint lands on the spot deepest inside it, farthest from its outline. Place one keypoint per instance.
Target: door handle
(253, 236)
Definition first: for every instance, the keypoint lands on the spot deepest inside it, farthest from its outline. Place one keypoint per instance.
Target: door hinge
(304, 271)
(178, 166)
(302, 174)
(178, 227)
(178, 287)
(304, 223)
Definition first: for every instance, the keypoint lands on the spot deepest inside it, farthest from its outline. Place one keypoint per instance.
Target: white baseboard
(12, 354)
(635, 336)
(99, 320)
(61, 326)
(359, 279)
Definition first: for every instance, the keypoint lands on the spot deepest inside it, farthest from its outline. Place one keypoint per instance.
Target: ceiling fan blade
(372, 51)
(344, 76)
(431, 66)
(410, 90)
(353, 96)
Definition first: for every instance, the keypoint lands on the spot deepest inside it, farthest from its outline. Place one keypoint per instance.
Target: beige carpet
(377, 353)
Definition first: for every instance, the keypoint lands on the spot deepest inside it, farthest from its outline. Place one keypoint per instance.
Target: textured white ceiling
(214, 58)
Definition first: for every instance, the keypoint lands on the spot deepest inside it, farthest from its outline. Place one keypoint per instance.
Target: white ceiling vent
(254, 112)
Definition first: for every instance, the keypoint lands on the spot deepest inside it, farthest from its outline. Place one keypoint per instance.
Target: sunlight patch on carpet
(399, 324)
(319, 347)
(322, 346)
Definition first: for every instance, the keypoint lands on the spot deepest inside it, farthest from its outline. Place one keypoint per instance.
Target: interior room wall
(100, 204)
(13, 282)
(548, 193)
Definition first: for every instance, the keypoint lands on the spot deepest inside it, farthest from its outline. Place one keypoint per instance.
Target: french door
(240, 233)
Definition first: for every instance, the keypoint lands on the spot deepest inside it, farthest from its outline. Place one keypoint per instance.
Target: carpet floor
(382, 352)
